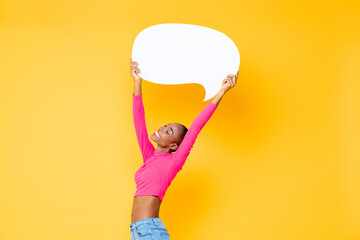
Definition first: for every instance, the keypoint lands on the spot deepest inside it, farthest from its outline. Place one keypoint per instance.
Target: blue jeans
(149, 229)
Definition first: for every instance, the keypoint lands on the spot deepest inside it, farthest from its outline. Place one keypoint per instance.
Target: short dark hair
(182, 136)
(185, 131)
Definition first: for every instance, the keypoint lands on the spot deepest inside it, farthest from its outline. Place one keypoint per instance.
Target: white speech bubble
(175, 53)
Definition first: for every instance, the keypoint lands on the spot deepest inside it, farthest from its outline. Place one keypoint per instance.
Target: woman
(160, 165)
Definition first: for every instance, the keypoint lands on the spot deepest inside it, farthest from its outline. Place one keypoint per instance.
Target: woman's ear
(173, 146)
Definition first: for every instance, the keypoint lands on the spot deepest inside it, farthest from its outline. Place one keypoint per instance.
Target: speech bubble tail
(211, 91)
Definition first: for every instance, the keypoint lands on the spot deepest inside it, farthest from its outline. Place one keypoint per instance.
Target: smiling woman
(169, 136)
(160, 165)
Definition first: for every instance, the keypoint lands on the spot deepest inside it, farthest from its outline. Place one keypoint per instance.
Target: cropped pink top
(160, 168)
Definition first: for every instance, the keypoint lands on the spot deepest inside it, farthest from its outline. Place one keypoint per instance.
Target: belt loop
(155, 221)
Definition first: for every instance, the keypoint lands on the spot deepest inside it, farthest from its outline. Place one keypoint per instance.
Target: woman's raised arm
(137, 79)
(183, 151)
(147, 149)
(199, 122)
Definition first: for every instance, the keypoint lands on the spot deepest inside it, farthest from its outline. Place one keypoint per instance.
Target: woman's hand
(229, 82)
(135, 70)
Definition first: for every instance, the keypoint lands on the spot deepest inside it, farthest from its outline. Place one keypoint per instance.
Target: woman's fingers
(231, 78)
(133, 62)
(225, 81)
(134, 67)
(229, 81)
(232, 82)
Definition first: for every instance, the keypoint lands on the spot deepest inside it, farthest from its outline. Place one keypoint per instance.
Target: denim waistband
(156, 221)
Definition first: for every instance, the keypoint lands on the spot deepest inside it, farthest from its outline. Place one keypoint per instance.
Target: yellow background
(278, 160)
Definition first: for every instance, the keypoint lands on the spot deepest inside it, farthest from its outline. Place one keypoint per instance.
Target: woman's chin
(151, 137)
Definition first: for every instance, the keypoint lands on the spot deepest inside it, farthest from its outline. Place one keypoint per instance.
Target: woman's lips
(157, 134)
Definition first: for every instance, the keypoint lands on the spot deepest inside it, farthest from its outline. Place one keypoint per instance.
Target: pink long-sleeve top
(160, 168)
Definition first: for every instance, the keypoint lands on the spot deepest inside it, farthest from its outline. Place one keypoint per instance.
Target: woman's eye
(167, 132)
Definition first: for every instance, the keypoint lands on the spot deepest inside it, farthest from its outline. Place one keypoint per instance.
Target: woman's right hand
(135, 70)
(229, 82)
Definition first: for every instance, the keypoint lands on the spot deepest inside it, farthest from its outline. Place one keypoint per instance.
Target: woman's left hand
(229, 82)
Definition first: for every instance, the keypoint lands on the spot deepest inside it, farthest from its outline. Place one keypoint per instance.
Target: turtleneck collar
(157, 153)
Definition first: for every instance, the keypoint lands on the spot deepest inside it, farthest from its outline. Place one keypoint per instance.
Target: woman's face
(167, 134)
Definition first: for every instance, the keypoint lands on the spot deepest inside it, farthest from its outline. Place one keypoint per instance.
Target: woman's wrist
(137, 81)
(218, 97)
(137, 87)
(222, 92)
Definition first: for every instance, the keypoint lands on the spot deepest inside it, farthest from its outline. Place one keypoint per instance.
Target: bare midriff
(145, 207)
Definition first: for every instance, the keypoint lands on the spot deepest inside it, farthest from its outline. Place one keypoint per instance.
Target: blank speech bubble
(175, 53)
